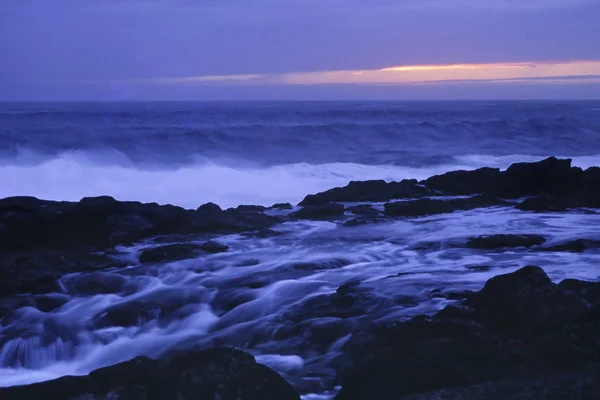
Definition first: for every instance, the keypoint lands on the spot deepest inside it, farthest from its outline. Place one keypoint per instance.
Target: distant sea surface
(262, 153)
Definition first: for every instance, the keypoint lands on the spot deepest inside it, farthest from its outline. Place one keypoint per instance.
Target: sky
(298, 49)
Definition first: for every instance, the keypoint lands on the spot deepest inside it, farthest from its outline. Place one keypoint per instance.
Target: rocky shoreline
(521, 336)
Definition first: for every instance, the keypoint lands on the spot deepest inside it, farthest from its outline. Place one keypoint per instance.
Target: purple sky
(106, 49)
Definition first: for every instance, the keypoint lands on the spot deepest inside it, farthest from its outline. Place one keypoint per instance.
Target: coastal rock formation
(220, 373)
(519, 330)
(101, 222)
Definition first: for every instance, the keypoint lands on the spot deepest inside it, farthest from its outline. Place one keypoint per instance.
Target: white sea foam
(72, 176)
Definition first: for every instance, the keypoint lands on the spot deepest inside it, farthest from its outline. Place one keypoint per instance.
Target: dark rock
(322, 211)
(525, 302)
(590, 291)
(220, 373)
(104, 222)
(464, 182)
(363, 209)
(171, 252)
(88, 284)
(250, 209)
(213, 247)
(576, 246)
(520, 333)
(162, 305)
(550, 176)
(423, 207)
(209, 208)
(375, 190)
(180, 251)
(263, 233)
(545, 203)
(38, 271)
(282, 206)
(579, 384)
(504, 241)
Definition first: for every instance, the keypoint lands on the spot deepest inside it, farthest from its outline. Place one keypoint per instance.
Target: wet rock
(349, 300)
(89, 284)
(162, 305)
(282, 206)
(423, 207)
(579, 384)
(170, 252)
(589, 291)
(228, 298)
(464, 182)
(375, 191)
(250, 209)
(37, 271)
(220, 373)
(550, 176)
(504, 241)
(180, 251)
(519, 331)
(102, 222)
(525, 302)
(322, 211)
(545, 203)
(575, 246)
(213, 247)
(364, 210)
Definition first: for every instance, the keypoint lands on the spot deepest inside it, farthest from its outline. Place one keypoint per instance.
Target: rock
(103, 222)
(576, 246)
(93, 283)
(375, 190)
(504, 241)
(219, 373)
(364, 210)
(525, 302)
(423, 207)
(209, 208)
(213, 247)
(520, 332)
(163, 305)
(545, 203)
(579, 384)
(282, 206)
(323, 211)
(550, 176)
(478, 181)
(589, 291)
(171, 252)
(250, 209)
(37, 271)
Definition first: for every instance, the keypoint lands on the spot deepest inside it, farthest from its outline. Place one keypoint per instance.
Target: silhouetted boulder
(220, 373)
(423, 207)
(478, 181)
(504, 241)
(322, 211)
(375, 190)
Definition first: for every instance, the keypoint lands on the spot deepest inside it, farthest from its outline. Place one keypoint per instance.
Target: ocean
(263, 153)
(188, 154)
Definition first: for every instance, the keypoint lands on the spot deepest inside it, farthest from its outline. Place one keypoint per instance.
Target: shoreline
(78, 241)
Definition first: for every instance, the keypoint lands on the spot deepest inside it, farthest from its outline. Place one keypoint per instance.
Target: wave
(71, 176)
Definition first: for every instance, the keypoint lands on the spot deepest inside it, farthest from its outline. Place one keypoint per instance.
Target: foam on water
(72, 176)
(186, 299)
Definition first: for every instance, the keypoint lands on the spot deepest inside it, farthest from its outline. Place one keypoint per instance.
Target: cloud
(397, 75)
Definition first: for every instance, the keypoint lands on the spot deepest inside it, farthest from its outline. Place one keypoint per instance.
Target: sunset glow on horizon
(550, 72)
